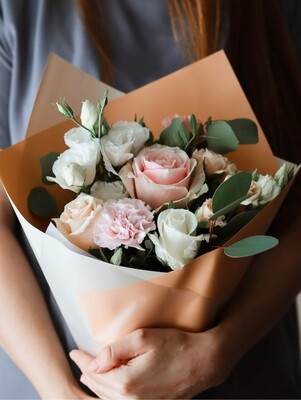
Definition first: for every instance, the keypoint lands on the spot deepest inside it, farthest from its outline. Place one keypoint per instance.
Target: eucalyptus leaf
(231, 192)
(251, 245)
(117, 256)
(234, 225)
(227, 208)
(245, 130)
(41, 203)
(221, 138)
(175, 135)
(46, 163)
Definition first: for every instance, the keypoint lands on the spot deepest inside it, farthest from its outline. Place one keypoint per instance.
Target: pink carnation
(123, 222)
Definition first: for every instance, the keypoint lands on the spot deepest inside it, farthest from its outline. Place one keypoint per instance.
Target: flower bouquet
(147, 225)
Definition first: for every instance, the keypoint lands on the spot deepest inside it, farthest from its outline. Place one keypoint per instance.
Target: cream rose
(76, 222)
(160, 174)
(214, 163)
(176, 245)
(123, 142)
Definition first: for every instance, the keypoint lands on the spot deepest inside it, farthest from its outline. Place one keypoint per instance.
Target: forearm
(27, 333)
(268, 289)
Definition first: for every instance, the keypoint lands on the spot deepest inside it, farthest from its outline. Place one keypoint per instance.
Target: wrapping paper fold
(101, 302)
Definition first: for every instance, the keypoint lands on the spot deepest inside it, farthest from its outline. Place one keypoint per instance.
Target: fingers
(83, 360)
(119, 353)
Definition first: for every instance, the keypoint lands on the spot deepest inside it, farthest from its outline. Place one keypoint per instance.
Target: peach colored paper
(101, 302)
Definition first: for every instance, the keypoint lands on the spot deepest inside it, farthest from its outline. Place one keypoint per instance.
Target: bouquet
(155, 204)
(147, 225)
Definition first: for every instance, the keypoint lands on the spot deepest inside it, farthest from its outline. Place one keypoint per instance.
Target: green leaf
(117, 256)
(41, 203)
(230, 193)
(193, 125)
(245, 130)
(234, 225)
(46, 163)
(251, 246)
(221, 138)
(175, 135)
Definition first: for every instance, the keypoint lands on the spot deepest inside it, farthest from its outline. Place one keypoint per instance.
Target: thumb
(118, 353)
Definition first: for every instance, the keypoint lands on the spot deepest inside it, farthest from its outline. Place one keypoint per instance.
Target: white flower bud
(88, 115)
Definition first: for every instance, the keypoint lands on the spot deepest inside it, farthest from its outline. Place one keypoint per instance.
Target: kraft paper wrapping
(101, 302)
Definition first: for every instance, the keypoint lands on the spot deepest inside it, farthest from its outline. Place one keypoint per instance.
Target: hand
(155, 363)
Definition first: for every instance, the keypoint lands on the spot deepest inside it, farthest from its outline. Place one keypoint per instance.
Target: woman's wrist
(65, 389)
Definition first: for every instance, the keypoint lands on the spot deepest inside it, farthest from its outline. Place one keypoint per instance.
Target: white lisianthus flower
(73, 174)
(75, 168)
(88, 114)
(269, 189)
(76, 137)
(108, 190)
(123, 141)
(284, 174)
(176, 244)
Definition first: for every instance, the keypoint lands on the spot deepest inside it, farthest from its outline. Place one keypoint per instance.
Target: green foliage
(234, 225)
(46, 163)
(175, 135)
(41, 203)
(251, 246)
(221, 137)
(245, 130)
(230, 194)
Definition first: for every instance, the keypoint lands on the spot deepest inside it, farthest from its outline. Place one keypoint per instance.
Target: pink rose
(160, 174)
(77, 220)
(204, 213)
(214, 163)
(123, 222)
(166, 122)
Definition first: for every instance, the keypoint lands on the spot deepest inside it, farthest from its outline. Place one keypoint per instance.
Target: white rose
(76, 222)
(75, 168)
(108, 190)
(123, 141)
(88, 114)
(253, 194)
(269, 188)
(76, 137)
(204, 213)
(176, 244)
